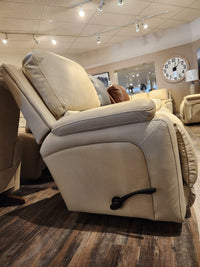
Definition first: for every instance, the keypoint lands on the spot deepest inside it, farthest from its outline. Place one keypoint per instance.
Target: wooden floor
(43, 232)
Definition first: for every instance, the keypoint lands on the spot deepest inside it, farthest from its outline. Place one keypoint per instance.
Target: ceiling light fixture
(53, 41)
(5, 39)
(98, 39)
(120, 2)
(36, 39)
(136, 22)
(100, 8)
(137, 27)
(144, 25)
(81, 12)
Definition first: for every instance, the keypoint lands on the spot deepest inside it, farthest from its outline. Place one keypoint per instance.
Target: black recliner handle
(117, 202)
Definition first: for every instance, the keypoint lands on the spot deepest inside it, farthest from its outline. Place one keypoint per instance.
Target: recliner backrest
(39, 118)
(62, 83)
(49, 86)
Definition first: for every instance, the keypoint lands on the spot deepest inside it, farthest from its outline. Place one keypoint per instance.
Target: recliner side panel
(89, 177)
(156, 140)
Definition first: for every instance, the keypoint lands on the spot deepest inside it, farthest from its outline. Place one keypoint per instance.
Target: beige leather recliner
(10, 144)
(97, 155)
(190, 109)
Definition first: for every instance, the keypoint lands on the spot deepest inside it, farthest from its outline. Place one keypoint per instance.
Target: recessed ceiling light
(98, 39)
(5, 39)
(144, 25)
(53, 41)
(81, 12)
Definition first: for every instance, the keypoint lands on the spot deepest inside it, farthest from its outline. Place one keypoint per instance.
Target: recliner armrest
(133, 111)
(192, 97)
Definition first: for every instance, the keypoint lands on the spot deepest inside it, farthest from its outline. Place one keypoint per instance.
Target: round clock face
(175, 68)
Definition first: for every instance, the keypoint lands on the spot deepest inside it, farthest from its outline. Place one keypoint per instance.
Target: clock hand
(175, 67)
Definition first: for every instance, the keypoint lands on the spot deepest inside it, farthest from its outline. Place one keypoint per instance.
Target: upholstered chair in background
(190, 109)
(10, 144)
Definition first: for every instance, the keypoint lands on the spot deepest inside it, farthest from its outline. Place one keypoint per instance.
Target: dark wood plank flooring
(42, 232)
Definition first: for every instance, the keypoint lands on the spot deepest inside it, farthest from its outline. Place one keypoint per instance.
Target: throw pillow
(118, 93)
(101, 91)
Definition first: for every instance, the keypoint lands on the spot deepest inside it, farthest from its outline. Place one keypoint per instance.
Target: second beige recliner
(119, 159)
(190, 109)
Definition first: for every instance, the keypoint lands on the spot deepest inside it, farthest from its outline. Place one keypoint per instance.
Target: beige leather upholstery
(10, 144)
(39, 119)
(188, 160)
(160, 94)
(60, 82)
(103, 163)
(107, 116)
(190, 109)
(109, 151)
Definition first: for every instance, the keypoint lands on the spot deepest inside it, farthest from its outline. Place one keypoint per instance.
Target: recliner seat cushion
(63, 84)
(101, 91)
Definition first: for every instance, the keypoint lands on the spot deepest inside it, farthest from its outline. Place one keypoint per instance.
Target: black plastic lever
(117, 202)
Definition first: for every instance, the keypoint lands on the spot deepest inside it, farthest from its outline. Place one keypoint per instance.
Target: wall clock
(174, 69)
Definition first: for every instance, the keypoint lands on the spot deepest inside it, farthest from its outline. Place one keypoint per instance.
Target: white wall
(11, 58)
(195, 29)
(147, 44)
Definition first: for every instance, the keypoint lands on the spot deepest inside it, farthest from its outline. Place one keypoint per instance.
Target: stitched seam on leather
(149, 178)
(180, 208)
(155, 131)
(179, 135)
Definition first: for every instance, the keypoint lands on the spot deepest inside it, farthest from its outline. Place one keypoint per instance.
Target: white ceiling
(54, 17)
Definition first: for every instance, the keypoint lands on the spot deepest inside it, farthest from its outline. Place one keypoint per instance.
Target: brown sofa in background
(32, 163)
(10, 143)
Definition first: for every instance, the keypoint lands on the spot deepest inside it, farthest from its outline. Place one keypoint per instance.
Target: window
(139, 78)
